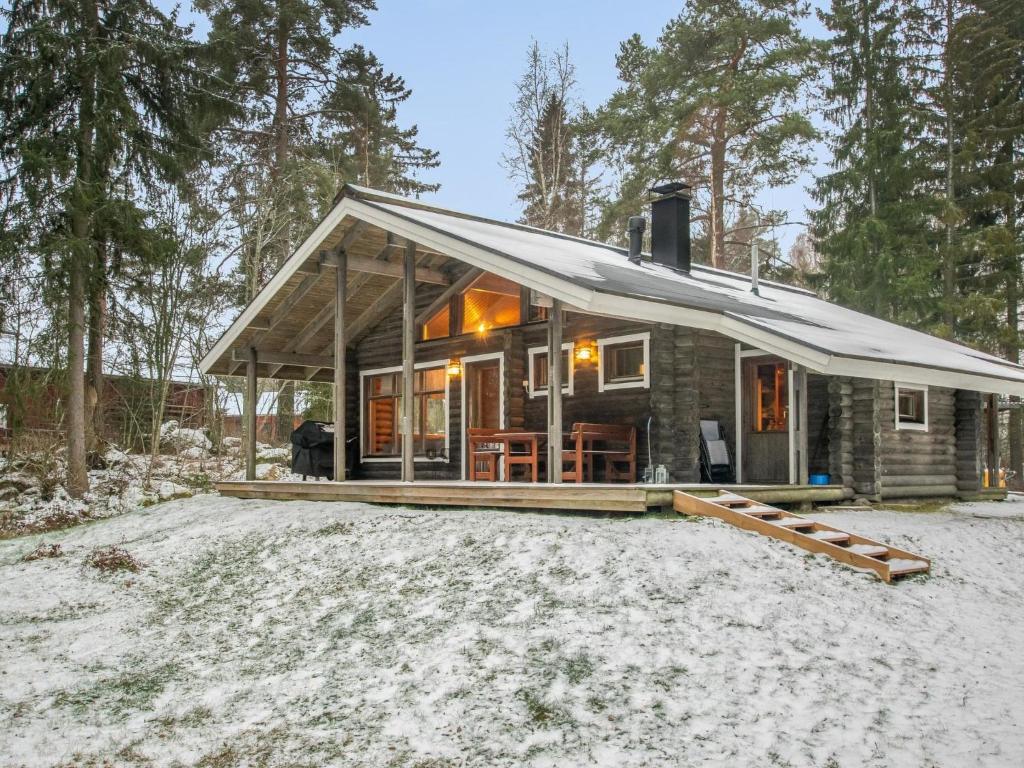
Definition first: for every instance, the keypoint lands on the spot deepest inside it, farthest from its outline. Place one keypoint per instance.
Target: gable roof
(597, 277)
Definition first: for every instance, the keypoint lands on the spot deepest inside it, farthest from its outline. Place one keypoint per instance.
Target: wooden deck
(594, 497)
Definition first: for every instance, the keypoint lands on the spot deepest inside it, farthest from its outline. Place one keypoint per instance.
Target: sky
(462, 58)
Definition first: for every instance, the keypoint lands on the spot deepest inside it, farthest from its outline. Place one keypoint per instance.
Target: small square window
(911, 407)
(624, 362)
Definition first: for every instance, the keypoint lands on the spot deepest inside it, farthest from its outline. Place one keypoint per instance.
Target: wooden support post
(738, 404)
(791, 422)
(555, 393)
(340, 294)
(408, 361)
(250, 415)
(803, 470)
(993, 441)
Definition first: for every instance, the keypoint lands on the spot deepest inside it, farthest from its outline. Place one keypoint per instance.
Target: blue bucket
(819, 479)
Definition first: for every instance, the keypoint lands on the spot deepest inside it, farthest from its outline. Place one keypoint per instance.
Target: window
(438, 327)
(911, 407)
(489, 302)
(382, 404)
(771, 397)
(538, 382)
(539, 306)
(624, 362)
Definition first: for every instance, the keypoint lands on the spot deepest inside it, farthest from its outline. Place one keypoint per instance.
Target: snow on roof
(794, 314)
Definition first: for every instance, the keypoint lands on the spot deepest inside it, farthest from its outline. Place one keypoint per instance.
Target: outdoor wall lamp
(454, 369)
(586, 351)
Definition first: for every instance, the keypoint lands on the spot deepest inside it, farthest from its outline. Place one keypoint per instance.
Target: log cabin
(502, 329)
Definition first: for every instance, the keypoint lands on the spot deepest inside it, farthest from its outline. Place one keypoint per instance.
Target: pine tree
(315, 115)
(714, 103)
(98, 101)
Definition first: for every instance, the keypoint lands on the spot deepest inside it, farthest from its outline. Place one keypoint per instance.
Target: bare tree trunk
(949, 257)
(718, 200)
(95, 421)
(78, 261)
(1013, 283)
(286, 398)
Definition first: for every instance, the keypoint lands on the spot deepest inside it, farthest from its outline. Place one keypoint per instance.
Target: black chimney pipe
(670, 225)
(636, 227)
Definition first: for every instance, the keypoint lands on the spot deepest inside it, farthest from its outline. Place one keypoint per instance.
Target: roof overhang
(595, 301)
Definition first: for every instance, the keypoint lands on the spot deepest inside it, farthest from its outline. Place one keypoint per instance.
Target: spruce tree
(93, 91)
(873, 228)
(715, 103)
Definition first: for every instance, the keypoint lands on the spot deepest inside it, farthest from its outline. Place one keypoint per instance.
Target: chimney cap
(672, 188)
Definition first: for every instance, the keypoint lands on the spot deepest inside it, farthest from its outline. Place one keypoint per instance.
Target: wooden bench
(613, 444)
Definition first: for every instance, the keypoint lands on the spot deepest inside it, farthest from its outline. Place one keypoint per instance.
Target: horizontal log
(901, 481)
(919, 491)
(389, 268)
(287, 358)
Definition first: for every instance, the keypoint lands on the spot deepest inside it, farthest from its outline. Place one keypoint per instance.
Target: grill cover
(313, 449)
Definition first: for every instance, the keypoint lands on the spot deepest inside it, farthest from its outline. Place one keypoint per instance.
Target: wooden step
(794, 522)
(869, 550)
(832, 537)
(860, 552)
(901, 566)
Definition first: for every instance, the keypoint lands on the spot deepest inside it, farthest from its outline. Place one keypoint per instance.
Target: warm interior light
(454, 368)
(585, 352)
(482, 329)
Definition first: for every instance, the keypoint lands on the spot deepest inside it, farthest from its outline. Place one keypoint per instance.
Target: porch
(595, 497)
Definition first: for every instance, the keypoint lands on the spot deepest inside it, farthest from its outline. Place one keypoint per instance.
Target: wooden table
(522, 448)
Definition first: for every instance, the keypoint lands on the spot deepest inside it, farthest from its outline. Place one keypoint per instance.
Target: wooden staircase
(888, 562)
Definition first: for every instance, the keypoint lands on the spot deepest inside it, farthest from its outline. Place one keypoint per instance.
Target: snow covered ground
(304, 634)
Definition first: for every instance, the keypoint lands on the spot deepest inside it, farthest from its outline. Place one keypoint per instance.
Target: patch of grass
(541, 712)
(924, 506)
(578, 668)
(12, 525)
(200, 481)
(122, 694)
(44, 551)
(113, 559)
(337, 528)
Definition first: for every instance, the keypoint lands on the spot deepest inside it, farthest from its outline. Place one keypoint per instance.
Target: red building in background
(32, 403)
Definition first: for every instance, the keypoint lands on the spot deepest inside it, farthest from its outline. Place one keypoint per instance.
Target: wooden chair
(484, 452)
(614, 444)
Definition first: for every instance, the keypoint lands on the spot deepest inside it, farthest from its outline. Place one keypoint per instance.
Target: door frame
(794, 409)
(466, 362)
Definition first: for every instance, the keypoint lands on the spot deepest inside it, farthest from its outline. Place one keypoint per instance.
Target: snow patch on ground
(301, 633)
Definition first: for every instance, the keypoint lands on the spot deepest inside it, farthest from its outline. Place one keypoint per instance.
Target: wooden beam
(455, 288)
(250, 403)
(555, 393)
(408, 361)
(374, 313)
(803, 470)
(389, 268)
(294, 359)
(340, 297)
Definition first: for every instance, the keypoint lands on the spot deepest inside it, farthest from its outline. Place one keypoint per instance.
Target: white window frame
(443, 364)
(645, 383)
(567, 389)
(909, 425)
(4, 416)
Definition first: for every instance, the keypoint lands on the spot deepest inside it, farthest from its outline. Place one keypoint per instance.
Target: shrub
(112, 559)
(44, 551)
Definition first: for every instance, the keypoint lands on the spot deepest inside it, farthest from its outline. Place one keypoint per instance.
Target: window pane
(382, 426)
(540, 369)
(911, 406)
(490, 302)
(430, 380)
(771, 398)
(382, 385)
(625, 362)
(437, 327)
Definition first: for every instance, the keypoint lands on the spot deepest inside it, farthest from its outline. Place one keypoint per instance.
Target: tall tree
(716, 103)
(548, 153)
(90, 89)
(301, 96)
(873, 228)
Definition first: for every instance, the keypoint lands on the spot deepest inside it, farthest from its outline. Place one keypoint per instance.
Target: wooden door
(765, 420)
(483, 395)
